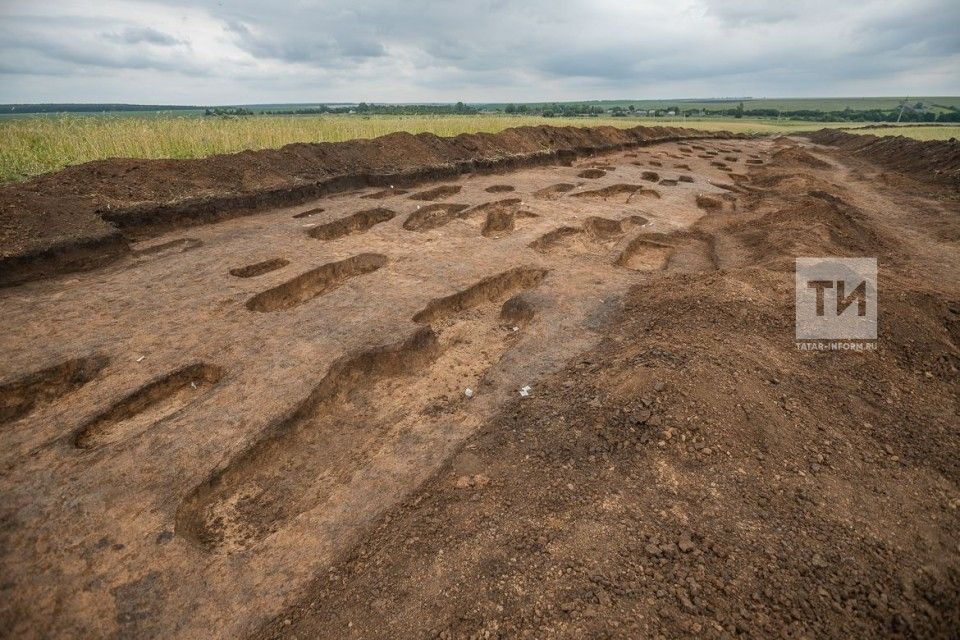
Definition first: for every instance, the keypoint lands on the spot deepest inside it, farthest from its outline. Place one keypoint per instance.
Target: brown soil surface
(285, 426)
(86, 216)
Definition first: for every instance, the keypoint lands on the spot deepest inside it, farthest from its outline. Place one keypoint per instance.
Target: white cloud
(248, 51)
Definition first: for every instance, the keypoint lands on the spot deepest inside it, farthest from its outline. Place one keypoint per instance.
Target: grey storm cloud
(339, 50)
(146, 35)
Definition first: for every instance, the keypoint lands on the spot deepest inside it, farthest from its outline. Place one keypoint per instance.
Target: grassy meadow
(31, 146)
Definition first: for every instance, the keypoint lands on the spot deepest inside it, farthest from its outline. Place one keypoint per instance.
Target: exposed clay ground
(87, 216)
(259, 426)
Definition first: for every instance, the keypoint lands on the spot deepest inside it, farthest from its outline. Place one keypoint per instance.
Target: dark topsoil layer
(84, 216)
(933, 160)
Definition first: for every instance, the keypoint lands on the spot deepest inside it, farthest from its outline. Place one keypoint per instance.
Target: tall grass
(33, 145)
(916, 132)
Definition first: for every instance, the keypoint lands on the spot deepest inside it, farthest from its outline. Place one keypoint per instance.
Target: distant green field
(34, 145)
(787, 104)
(918, 132)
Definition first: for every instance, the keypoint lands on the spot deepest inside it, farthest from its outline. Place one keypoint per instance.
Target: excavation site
(544, 383)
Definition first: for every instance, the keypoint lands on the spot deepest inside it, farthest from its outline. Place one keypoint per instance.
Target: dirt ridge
(931, 160)
(84, 216)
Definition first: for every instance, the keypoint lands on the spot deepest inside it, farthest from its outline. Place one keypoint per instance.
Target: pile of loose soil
(83, 216)
(933, 160)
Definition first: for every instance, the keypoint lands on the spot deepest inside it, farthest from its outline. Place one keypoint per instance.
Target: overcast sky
(262, 51)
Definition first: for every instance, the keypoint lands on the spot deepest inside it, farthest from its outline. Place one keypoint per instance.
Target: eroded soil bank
(85, 216)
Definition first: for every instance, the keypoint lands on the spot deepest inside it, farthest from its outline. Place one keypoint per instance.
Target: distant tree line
(89, 108)
(916, 112)
(228, 111)
(555, 109)
(365, 108)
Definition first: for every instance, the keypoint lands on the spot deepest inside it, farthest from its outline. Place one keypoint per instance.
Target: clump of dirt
(499, 188)
(603, 228)
(487, 207)
(709, 202)
(552, 238)
(433, 216)
(518, 310)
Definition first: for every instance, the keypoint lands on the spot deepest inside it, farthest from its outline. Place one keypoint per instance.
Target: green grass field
(31, 146)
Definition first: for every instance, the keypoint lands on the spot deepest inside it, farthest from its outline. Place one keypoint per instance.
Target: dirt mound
(84, 216)
(692, 410)
(930, 160)
(816, 224)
